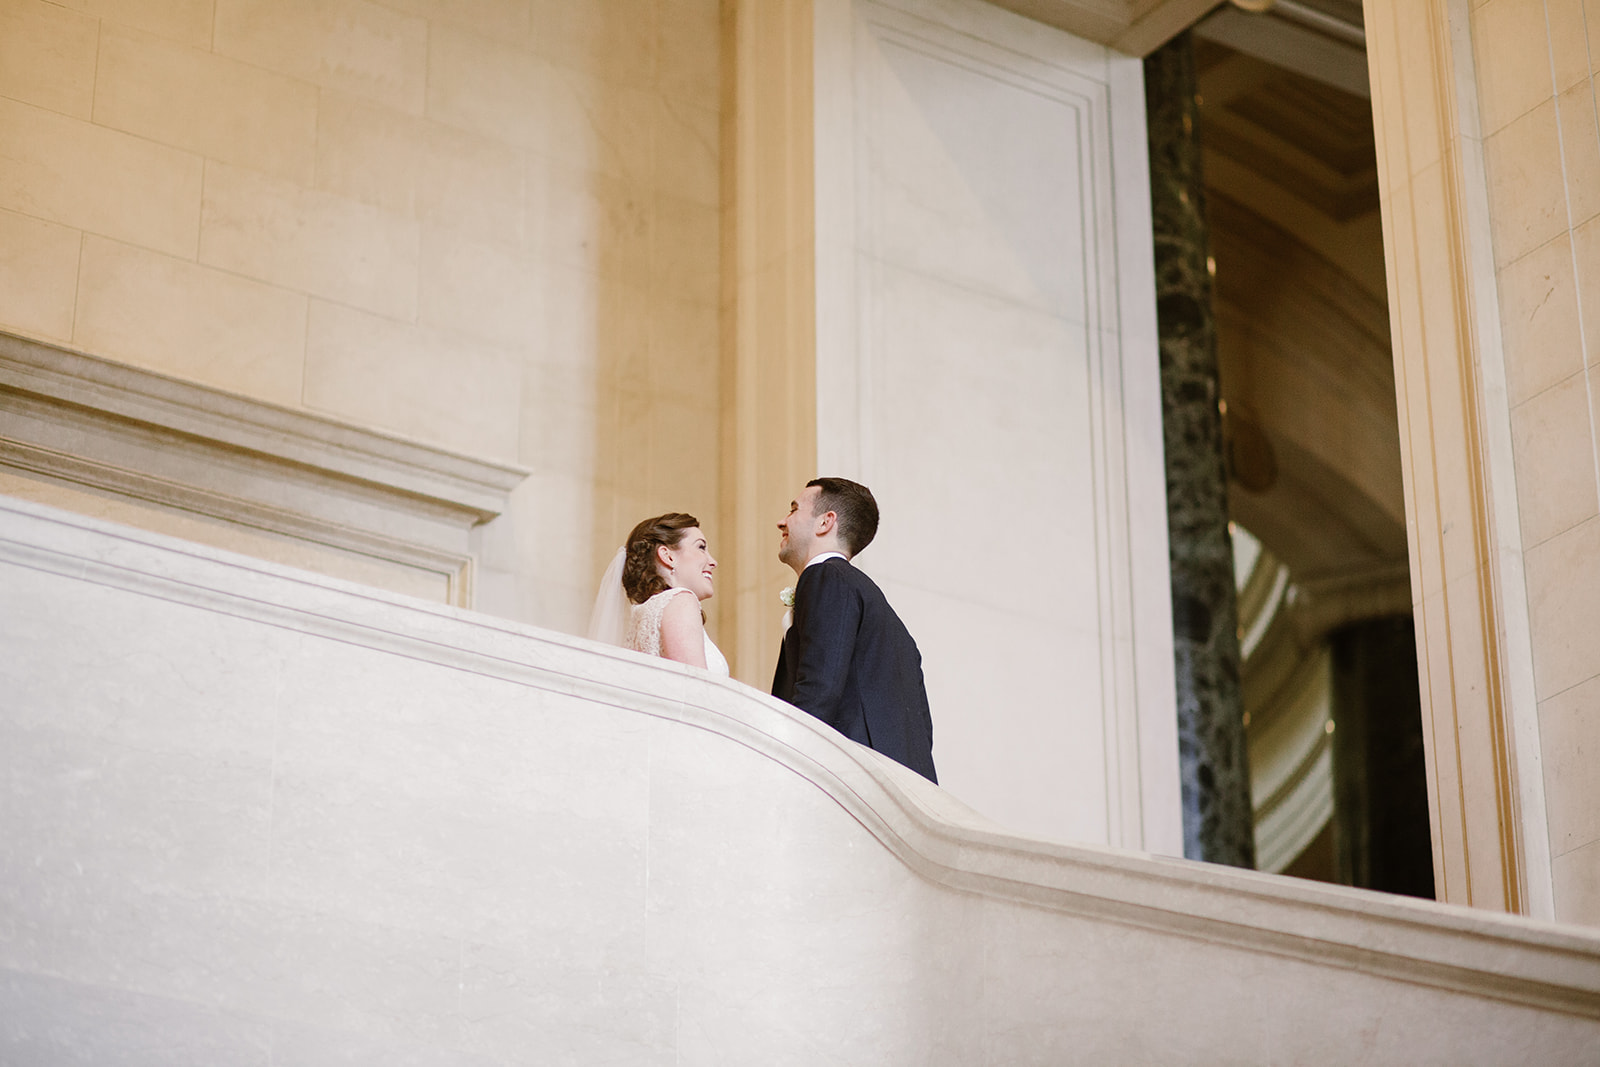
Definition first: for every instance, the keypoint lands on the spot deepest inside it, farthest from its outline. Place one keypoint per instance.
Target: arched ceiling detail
(1304, 354)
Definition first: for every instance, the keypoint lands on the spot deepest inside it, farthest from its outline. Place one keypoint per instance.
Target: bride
(641, 604)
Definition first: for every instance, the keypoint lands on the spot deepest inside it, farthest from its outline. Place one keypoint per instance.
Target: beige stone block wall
(215, 107)
(47, 57)
(190, 320)
(99, 180)
(1537, 65)
(38, 275)
(186, 21)
(492, 225)
(352, 45)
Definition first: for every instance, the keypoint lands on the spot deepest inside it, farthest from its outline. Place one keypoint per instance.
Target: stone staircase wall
(257, 816)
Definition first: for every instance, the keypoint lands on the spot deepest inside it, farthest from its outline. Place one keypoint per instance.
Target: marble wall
(986, 362)
(489, 226)
(260, 817)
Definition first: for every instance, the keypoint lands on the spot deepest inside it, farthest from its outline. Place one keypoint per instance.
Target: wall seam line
(1572, 234)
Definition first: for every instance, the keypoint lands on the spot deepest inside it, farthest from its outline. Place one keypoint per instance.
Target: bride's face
(688, 564)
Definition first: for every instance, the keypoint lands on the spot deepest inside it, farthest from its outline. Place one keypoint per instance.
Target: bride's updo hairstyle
(855, 507)
(640, 579)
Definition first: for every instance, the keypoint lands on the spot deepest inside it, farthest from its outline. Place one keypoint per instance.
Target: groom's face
(799, 528)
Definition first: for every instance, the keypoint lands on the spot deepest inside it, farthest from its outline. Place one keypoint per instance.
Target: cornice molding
(1133, 27)
(76, 418)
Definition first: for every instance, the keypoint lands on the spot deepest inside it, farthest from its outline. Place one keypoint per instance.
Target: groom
(848, 658)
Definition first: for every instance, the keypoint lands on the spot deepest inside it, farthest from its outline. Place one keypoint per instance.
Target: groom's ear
(826, 522)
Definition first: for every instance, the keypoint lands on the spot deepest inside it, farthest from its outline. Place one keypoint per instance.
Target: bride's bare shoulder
(680, 607)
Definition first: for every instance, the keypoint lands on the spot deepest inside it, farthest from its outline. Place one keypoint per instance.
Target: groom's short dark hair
(852, 502)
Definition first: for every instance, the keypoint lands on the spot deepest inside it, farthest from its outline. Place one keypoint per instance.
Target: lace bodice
(644, 630)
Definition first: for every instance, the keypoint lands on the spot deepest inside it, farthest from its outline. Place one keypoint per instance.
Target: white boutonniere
(786, 598)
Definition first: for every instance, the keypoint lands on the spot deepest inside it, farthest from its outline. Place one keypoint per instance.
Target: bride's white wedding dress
(644, 631)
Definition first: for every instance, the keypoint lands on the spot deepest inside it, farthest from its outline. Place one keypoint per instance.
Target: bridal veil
(608, 621)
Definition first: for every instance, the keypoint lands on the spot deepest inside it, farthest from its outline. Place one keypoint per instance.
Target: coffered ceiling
(1310, 139)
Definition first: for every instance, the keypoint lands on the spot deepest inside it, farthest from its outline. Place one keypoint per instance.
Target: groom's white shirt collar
(814, 560)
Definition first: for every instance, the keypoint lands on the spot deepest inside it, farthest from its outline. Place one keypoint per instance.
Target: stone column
(1478, 585)
(1215, 776)
(1380, 782)
(769, 376)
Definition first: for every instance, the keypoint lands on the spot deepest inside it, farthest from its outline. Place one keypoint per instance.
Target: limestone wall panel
(1580, 149)
(186, 21)
(684, 247)
(1571, 719)
(616, 41)
(1563, 573)
(1555, 460)
(472, 184)
(485, 290)
(191, 321)
(313, 242)
(485, 86)
(38, 275)
(1586, 265)
(1577, 881)
(47, 57)
(439, 386)
(688, 60)
(685, 161)
(56, 168)
(1527, 184)
(350, 45)
(1521, 46)
(1544, 344)
(368, 152)
(216, 107)
(506, 20)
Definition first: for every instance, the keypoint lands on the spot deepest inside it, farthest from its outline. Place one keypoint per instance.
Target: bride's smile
(690, 565)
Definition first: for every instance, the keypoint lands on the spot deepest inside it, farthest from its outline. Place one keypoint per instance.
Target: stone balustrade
(253, 815)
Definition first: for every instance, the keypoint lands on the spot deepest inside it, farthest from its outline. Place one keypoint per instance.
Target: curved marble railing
(257, 816)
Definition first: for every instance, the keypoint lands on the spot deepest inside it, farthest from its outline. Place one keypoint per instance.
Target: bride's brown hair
(640, 579)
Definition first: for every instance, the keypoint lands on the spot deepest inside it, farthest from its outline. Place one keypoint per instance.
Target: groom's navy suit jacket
(849, 660)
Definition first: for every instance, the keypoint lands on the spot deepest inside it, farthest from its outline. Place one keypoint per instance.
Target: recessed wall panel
(990, 387)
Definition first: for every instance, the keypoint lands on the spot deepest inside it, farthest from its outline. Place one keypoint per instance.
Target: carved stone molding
(1130, 26)
(74, 418)
(1491, 834)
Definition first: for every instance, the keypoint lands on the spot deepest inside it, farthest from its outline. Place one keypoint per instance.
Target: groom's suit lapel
(788, 661)
(810, 576)
(807, 576)
(815, 629)
(788, 653)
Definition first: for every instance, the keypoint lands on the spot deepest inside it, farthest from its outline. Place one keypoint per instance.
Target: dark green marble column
(1381, 837)
(1217, 823)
